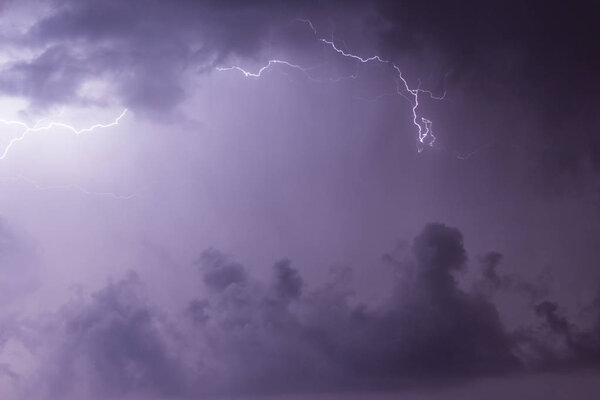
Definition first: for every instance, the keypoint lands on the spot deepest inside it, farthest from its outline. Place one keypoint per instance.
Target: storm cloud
(144, 47)
(247, 336)
(532, 57)
(221, 237)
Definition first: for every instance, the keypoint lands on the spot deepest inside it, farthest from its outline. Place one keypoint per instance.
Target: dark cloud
(143, 47)
(245, 336)
(320, 339)
(494, 281)
(52, 77)
(288, 281)
(219, 273)
(536, 55)
(583, 347)
(112, 345)
(532, 62)
(489, 266)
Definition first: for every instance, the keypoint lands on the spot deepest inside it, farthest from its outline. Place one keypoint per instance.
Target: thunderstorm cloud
(230, 199)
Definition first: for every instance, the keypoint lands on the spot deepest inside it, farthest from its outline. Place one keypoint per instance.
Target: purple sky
(172, 228)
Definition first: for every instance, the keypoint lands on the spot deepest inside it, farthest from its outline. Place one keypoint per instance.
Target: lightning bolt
(423, 125)
(259, 73)
(273, 62)
(38, 127)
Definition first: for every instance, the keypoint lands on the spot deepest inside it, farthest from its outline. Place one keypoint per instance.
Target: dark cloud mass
(536, 55)
(111, 346)
(144, 46)
(247, 336)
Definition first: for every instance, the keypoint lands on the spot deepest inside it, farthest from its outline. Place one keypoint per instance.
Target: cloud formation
(244, 336)
(143, 48)
(143, 54)
(320, 177)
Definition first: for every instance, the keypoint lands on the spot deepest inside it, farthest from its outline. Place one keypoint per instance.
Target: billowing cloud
(144, 48)
(245, 336)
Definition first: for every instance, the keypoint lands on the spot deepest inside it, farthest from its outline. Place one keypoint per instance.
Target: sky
(299, 200)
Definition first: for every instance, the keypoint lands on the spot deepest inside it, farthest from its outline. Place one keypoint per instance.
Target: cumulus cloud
(112, 344)
(241, 335)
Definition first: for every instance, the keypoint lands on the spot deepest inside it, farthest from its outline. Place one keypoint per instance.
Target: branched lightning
(426, 136)
(40, 126)
(37, 128)
(258, 74)
(270, 63)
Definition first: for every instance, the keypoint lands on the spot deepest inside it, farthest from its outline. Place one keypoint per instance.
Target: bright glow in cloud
(44, 125)
(39, 126)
